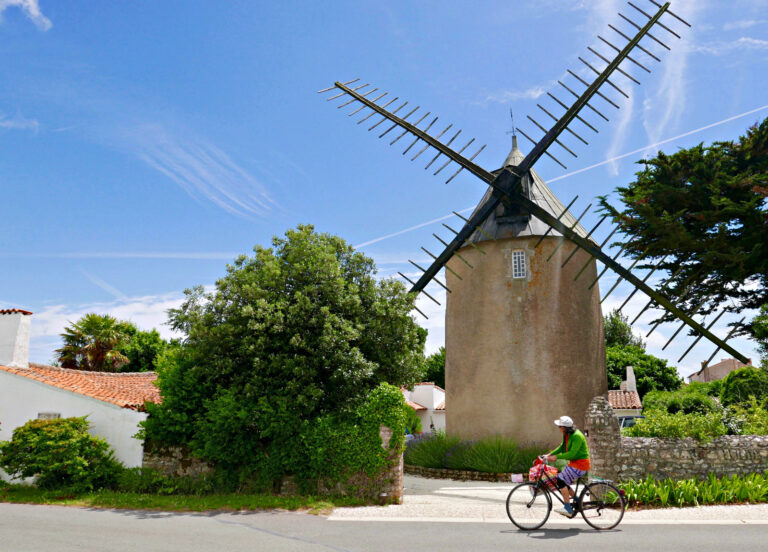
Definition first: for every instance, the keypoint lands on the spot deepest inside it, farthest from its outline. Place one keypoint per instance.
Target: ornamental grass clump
(495, 454)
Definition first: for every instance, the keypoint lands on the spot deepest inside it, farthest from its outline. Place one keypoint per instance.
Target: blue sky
(145, 144)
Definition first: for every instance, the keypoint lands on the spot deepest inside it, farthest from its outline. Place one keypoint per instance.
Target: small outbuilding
(428, 400)
(113, 402)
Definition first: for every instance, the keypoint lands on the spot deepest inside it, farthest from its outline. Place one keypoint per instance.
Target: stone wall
(622, 458)
(384, 488)
(174, 461)
(457, 475)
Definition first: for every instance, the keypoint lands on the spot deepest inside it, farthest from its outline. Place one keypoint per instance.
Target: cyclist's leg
(565, 479)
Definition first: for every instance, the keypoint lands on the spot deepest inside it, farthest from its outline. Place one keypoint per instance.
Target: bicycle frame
(541, 484)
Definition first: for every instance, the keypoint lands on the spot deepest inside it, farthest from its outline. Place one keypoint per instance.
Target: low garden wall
(384, 488)
(457, 475)
(624, 458)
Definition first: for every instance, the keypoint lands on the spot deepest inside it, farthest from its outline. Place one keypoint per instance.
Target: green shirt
(576, 450)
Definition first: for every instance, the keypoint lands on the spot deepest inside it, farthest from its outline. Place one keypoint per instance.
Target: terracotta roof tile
(624, 399)
(14, 311)
(432, 383)
(415, 405)
(440, 406)
(127, 390)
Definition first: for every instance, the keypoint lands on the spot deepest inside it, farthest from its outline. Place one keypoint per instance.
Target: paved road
(61, 529)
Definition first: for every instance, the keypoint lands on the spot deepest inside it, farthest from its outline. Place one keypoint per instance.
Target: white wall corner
(14, 339)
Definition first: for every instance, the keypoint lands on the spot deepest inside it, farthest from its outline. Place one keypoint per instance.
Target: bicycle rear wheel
(528, 507)
(602, 505)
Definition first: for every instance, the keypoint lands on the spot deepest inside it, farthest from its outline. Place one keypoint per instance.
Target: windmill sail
(514, 192)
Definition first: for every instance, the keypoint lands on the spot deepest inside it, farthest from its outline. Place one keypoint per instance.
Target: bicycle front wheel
(528, 507)
(602, 505)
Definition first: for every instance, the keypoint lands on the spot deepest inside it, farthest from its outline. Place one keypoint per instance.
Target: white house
(428, 400)
(114, 403)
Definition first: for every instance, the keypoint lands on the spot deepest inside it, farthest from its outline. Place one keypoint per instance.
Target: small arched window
(518, 264)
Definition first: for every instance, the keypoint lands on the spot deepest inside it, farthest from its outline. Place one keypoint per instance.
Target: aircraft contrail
(600, 164)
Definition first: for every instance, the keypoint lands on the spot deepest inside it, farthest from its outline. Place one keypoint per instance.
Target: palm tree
(93, 343)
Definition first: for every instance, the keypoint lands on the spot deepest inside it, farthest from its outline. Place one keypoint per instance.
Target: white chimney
(631, 383)
(14, 338)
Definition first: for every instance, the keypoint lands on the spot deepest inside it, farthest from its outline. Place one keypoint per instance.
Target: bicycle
(600, 502)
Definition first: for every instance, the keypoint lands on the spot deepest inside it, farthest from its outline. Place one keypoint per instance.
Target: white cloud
(19, 123)
(200, 168)
(743, 24)
(724, 47)
(31, 9)
(507, 96)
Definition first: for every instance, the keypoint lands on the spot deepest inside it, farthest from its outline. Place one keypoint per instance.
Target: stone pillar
(603, 438)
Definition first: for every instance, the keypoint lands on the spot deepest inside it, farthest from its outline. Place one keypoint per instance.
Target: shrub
(62, 454)
(743, 383)
(412, 422)
(749, 417)
(659, 423)
(686, 400)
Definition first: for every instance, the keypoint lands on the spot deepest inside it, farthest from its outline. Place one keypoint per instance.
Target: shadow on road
(549, 534)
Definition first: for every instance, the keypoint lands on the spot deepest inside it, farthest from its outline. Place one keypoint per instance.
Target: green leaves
(651, 373)
(293, 339)
(704, 207)
(658, 423)
(693, 492)
(61, 453)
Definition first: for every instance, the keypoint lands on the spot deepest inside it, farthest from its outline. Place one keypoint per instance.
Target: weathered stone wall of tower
(521, 352)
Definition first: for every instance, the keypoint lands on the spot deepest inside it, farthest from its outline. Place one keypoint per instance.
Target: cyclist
(573, 448)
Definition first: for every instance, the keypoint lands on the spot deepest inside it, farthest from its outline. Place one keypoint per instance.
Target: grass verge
(23, 494)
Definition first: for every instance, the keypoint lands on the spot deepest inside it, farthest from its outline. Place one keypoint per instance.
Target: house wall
(623, 458)
(22, 399)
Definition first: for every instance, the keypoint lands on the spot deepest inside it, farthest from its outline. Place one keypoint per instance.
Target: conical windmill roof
(496, 226)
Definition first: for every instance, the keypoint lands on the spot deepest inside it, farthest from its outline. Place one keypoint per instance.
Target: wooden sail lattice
(506, 183)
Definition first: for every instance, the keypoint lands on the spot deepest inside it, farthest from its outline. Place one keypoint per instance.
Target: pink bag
(537, 469)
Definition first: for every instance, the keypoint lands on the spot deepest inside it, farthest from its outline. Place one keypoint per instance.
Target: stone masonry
(622, 458)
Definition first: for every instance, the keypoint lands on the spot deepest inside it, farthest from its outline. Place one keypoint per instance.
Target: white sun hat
(564, 421)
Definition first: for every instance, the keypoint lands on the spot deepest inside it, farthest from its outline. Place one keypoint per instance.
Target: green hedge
(659, 423)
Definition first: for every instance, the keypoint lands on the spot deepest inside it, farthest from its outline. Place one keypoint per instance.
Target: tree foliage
(291, 335)
(93, 343)
(651, 373)
(434, 368)
(741, 384)
(618, 332)
(701, 213)
(760, 333)
(141, 348)
(103, 343)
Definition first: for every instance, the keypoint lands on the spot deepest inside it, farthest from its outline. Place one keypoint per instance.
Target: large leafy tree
(651, 373)
(618, 331)
(703, 212)
(760, 332)
(93, 343)
(435, 367)
(141, 348)
(292, 333)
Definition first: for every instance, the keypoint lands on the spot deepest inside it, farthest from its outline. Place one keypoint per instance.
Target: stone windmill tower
(524, 341)
(520, 331)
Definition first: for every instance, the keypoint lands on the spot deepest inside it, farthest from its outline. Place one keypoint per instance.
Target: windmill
(524, 328)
